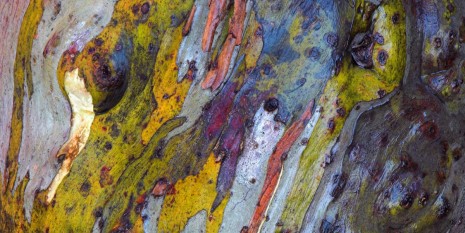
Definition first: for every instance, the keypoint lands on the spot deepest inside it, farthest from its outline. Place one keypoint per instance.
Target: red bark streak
(216, 13)
(275, 164)
(186, 29)
(51, 44)
(220, 111)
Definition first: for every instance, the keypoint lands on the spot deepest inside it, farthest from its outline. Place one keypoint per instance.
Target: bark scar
(82, 118)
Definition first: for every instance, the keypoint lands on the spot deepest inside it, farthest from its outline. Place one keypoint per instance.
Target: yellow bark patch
(167, 92)
(191, 195)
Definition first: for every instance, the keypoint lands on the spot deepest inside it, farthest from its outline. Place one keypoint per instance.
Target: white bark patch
(83, 116)
(197, 223)
(151, 213)
(11, 15)
(251, 171)
(47, 114)
(288, 173)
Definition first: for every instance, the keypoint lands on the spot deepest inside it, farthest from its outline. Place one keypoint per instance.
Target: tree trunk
(232, 116)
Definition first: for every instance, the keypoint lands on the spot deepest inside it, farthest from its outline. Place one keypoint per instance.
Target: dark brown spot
(271, 104)
(423, 199)
(98, 212)
(338, 67)
(430, 130)
(406, 162)
(57, 9)
(441, 176)
(61, 158)
(249, 123)
(331, 125)
(98, 42)
(457, 154)
(437, 42)
(298, 39)
(304, 141)
(327, 160)
(406, 201)
(135, 9)
(381, 93)
(362, 50)
(382, 57)
(143, 77)
(383, 139)
(145, 8)
(259, 32)
(267, 69)
(378, 38)
(450, 7)
(158, 151)
(105, 80)
(108, 146)
(95, 57)
(151, 48)
(375, 172)
(445, 146)
(452, 36)
(331, 39)
(105, 176)
(192, 71)
(395, 18)
(312, 53)
(455, 85)
(85, 188)
(339, 182)
(118, 47)
(341, 112)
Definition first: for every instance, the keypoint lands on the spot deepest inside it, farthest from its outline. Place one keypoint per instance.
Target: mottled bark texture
(232, 116)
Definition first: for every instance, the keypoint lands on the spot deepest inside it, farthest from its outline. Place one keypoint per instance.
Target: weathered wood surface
(230, 116)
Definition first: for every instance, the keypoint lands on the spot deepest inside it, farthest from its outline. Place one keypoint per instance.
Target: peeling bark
(228, 116)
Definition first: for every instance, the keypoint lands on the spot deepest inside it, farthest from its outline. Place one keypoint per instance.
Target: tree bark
(228, 116)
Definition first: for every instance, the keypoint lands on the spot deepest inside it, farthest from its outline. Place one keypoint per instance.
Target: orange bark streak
(216, 13)
(275, 164)
(186, 29)
(215, 77)
(237, 20)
